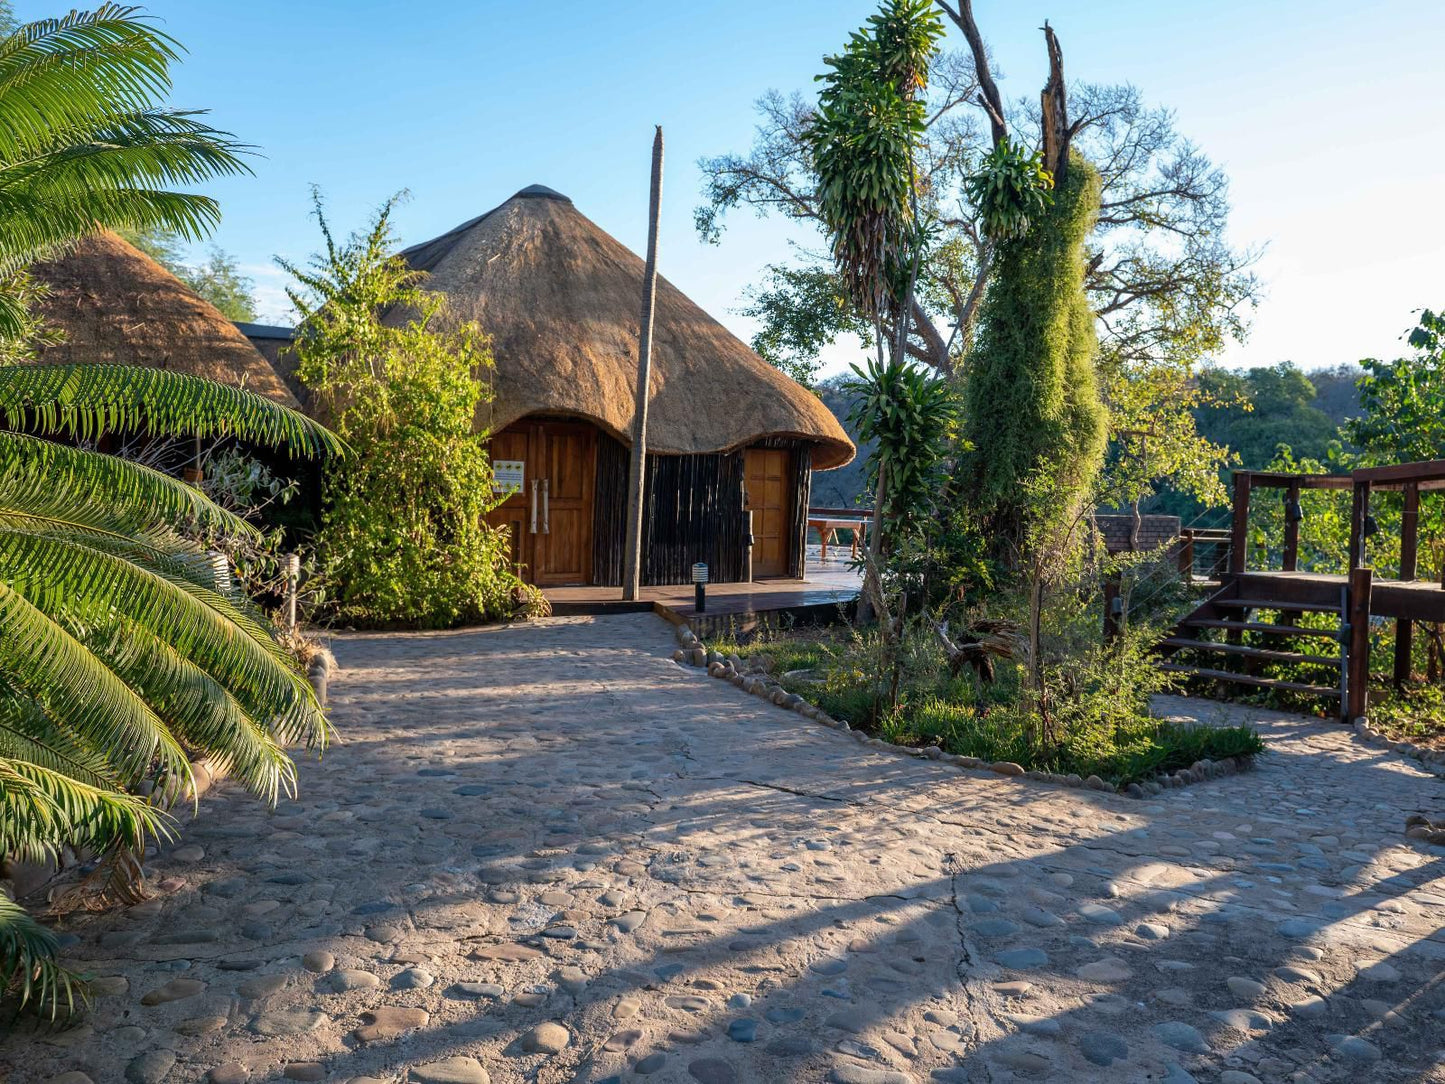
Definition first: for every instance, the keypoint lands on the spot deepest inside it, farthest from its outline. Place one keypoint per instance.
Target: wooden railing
(1217, 541)
(1410, 480)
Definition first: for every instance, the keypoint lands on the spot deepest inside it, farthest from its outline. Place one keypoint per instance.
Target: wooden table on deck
(826, 525)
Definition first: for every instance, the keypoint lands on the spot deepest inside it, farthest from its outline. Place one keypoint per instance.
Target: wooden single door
(766, 476)
(549, 520)
(567, 465)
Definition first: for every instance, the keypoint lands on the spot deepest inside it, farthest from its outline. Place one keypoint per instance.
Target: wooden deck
(828, 585)
(1410, 600)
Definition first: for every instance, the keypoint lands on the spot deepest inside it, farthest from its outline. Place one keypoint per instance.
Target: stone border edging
(1432, 760)
(692, 652)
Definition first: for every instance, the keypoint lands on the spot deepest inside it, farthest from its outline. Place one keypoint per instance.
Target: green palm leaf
(202, 713)
(50, 665)
(88, 401)
(85, 144)
(122, 646)
(28, 734)
(75, 581)
(27, 960)
(42, 479)
(43, 810)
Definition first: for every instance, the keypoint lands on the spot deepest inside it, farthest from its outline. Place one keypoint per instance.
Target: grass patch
(1415, 714)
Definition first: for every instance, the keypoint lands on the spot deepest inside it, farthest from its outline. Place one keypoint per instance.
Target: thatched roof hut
(560, 297)
(732, 442)
(116, 305)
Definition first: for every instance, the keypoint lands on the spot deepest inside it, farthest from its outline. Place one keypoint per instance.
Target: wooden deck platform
(1410, 600)
(828, 585)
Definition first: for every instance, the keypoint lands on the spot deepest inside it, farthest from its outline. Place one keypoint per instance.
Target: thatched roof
(560, 299)
(117, 306)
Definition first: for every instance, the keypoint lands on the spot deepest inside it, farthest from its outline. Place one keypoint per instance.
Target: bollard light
(699, 587)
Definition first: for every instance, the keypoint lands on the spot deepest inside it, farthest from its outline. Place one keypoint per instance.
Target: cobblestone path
(548, 853)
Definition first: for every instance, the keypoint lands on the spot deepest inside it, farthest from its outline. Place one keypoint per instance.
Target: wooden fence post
(1290, 560)
(1357, 650)
(1409, 549)
(1359, 512)
(1112, 624)
(1239, 531)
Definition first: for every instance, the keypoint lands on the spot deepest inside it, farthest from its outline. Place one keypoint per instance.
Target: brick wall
(1154, 531)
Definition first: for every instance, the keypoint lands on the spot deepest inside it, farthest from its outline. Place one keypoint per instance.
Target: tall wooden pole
(632, 572)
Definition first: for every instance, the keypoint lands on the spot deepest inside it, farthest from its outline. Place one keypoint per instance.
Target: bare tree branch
(988, 90)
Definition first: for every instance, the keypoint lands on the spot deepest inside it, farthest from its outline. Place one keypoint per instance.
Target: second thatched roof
(117, 306)
(560, 299)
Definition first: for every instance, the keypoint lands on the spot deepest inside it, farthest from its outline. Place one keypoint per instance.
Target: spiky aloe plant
(124, 649)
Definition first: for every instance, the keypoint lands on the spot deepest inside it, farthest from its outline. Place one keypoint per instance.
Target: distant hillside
(843, 487)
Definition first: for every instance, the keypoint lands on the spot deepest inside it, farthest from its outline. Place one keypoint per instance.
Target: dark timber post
(1186, 555)
(1409, 537)
(1291, 527)
(1239, 532)
(1113, 608)
(632, 558)
(1357, 658)
(1359, 512)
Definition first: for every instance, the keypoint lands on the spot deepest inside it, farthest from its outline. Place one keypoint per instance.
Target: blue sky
(1326, 116)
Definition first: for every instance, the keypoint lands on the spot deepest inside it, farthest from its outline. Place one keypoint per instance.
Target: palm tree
(125, 651)
(85, 142)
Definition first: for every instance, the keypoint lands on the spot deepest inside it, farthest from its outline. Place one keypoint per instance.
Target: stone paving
(548, 853)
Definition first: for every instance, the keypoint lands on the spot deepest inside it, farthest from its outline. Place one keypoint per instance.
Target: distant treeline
(1251, 411)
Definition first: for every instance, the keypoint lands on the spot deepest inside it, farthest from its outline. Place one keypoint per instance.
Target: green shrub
(404, 538)
(1096, 700)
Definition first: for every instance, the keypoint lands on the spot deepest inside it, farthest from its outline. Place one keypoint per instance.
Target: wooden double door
(767, 484)
(549, 518)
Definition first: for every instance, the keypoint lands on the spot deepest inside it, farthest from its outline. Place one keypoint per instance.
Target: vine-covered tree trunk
(1031, 398)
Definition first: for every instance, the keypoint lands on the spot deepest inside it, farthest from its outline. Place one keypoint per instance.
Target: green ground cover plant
(1104, 724)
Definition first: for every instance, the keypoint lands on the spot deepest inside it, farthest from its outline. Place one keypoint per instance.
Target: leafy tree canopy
(1403, 401)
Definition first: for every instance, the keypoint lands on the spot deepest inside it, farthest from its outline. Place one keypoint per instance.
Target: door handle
(534, 507)
(546, 506)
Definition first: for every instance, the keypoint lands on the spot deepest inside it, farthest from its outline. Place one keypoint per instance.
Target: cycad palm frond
(27, 960)
(123, 650)
(42, 479)
(82, 583)
(43, 808)
(88, 401)
(204, 714)
(44, 661)
(85, 143)
(27, 733)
